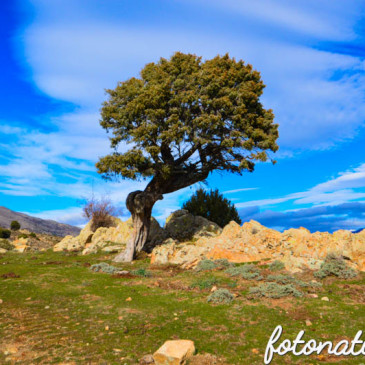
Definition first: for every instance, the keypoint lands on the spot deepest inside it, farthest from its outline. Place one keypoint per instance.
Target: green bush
(5, 233)
(281, 278)
(206, 265)
(33, 235)
(275, 291)
(23, 235)
(6, 245)
(335, 265)
(213, 206)
(223, 263)
(204, 283)
(248, 272)
(276, 265)
(15, 226)
(220, 296)
(141, 272)
(104, 267)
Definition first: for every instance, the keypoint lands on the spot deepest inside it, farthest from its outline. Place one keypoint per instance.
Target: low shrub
(248, 272)
(5, 233)
(33, 235)
(275, 290)
(204, 283)
(6, 245)
(223, 263)
(141, 272)
(23, 235)
(15, 226)
(287, 279)
(220, 296)
(206, 265)
(104, 267)
(335, 265)
(276, 265)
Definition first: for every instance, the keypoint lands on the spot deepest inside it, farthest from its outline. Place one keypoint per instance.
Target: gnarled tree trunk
(140, 204)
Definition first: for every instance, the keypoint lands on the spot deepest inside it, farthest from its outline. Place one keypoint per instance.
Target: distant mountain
(36, 225)
(358, 230)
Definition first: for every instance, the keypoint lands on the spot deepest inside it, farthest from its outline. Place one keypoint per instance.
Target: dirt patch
(300, 314)
(10, 275)
(206, 359)
(124, 276)
(53, 263)
(172, 285)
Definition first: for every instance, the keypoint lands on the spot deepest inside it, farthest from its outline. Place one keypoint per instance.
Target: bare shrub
(100, 212)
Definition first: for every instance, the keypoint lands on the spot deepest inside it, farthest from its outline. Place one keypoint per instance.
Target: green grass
(58, 310)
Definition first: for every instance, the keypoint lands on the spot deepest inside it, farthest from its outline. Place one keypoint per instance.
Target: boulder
(183, 226)
(21, 245)
(174, 352)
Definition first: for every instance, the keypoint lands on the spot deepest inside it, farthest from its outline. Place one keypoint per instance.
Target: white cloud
(238, 190)
(333, 192)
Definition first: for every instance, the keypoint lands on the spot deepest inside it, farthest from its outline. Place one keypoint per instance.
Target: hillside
(36, 225)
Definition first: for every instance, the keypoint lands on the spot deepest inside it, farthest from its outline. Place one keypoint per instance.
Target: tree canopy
(184, 118)
(213, 206)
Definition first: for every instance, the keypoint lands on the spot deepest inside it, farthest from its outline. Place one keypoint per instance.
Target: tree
(100, 212)
(183, 119)
(15, 226)
(213, 206)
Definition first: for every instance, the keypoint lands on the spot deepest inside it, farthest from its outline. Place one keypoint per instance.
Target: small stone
(308, 322)
(46, 307)
(214, 288)
(117, 350)
(312, 295)
(106, 328)
(255, 351)
(129, 299)
(174, 352)
(147, 359)
(1, 301)
(123, 272)
(175, 314)
(120, 318)
(325, 299)
(29, 298)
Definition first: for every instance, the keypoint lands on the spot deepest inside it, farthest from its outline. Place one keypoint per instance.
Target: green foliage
(274, 290)
(15, 226)
(5, 233)
(287, 279)
(223, 263)
(104, 267)
(185, 118)
(213, 206)
(248, 272)
(220, 296)
(33, 235)
(141, 272)
(206, 265)
(276, 266)
(23, 235)
(335, 265)
(6, 245)
(204, 283)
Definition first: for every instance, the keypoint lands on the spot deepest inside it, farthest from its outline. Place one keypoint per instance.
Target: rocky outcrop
(174, 352)
(296, 248)
(183, 226)
(111, 239)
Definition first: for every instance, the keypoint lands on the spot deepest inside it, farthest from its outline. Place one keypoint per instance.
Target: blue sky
(58, 56)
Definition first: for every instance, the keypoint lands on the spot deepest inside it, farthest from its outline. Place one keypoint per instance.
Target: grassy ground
(59, 311)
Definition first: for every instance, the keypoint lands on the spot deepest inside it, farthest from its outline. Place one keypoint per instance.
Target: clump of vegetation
(100, 212)
(222, 264)
(206, 265)
(287, 279)
(5, 233)
(276, 266)
(213, 206)
(220, 296)
(204, 283)
(275, 290)
(23, 235)
(33, 235)
(335, 265)
(248, 272)
(6, 245)
(141, 272)
(15, 226)
(104, 267)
